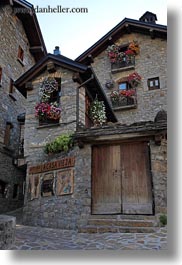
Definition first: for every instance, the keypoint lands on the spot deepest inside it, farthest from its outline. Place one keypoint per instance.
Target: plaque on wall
(64, 182)
(34, 187)
(47, 185)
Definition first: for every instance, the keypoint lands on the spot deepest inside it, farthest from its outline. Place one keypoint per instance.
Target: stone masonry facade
(12, 102)
(68, 211)
(73, 210)
(150, 62)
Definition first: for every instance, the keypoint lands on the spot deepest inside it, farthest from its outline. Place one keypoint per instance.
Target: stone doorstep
(122, 223)
(115, 229)
(123, 217)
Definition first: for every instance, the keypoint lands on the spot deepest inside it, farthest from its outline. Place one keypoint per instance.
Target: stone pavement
(39, 238)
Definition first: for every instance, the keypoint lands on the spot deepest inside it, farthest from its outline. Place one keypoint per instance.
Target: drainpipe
(77, 99)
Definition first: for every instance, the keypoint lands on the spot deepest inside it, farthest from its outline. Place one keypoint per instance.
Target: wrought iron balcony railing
(125, 62)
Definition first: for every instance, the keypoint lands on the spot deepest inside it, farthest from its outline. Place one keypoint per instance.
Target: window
(11, 86)
(123, 86)
(153, 83)
(7, 135)
(48, 109)
(0, 76)
(20, 54)
(21, 140)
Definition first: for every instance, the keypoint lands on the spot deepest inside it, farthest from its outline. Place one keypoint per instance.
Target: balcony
(123, 100)
(127, 63)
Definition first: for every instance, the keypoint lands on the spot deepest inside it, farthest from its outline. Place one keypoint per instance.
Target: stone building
(21, 47)
(107, 173)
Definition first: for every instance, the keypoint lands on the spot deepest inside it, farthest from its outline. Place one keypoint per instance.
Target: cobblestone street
(38, 238)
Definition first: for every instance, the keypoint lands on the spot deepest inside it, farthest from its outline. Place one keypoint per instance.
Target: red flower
(129, 52)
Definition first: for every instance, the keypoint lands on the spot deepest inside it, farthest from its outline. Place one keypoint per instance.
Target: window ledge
(48, 126)
(12, 96)
(134, 106)
(126, 68)
(20, 61)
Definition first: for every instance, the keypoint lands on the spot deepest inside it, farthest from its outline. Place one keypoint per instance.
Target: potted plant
(134, 46)
(134, 79)
(45, 111)
(98, 112)
(41, 110)
(61, 143)
(114, 96)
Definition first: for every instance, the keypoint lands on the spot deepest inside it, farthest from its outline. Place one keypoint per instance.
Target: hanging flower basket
(98, 112)
(48, 86)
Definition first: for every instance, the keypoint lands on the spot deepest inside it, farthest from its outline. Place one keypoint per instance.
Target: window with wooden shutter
(20, 54)
(11, 86)
(7, 135)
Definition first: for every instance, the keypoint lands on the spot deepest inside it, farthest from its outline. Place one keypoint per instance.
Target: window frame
(20, 56)
(7, 134)
(154, 86)
(49, 122)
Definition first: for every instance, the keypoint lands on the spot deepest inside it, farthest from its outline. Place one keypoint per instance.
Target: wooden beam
(110, 40)
(29, 86)
(128, 29)
(90, 59)
(51, 68)
(35, 49)
(152, 33)
(76, 78)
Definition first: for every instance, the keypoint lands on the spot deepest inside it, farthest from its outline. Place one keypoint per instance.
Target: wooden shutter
(7, 134)
(106, 180)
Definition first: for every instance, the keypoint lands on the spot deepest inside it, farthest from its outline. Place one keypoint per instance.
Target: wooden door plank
(106, 180)
(136, 180)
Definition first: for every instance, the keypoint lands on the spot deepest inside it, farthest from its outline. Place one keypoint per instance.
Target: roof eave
(101, 43)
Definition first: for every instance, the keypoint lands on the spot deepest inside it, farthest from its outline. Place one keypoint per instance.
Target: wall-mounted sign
(49, 166)
(64, 184)
(47, 185)
(34, 187)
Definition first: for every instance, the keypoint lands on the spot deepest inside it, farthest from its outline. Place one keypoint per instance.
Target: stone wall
(67, 211)
(7, 231)
(150, 62)
(61, 211)
(12, 176)
(34, 145)
(11, 105)
(159, 173)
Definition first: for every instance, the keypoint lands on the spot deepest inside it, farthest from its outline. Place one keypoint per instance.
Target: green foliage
(62, 143)
(163, 219)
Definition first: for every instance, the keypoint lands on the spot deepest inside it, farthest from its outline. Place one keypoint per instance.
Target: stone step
(125, 217)
(122, 223)
(115, 229)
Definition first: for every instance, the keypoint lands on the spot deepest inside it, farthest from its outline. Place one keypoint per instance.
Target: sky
(76, 32)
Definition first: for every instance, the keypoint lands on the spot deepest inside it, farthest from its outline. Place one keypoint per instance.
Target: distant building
(21, 46)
